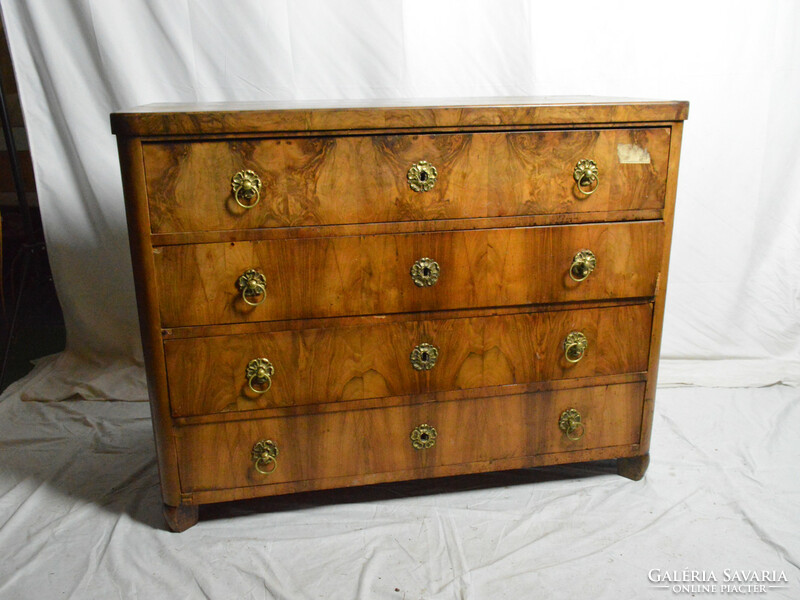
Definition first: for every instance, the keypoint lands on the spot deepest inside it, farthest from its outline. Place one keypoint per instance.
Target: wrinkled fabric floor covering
(80, 516)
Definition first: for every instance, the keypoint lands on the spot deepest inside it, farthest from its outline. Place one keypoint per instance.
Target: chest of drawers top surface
(329, 293)
(342, 115)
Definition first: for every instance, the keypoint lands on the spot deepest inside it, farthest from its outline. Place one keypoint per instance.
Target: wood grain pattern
(348, 115)
(284, 233)
(316, 366)
(485, 466)
(366, 320)
(359, 443)
(336, 233)
(370, 275)
(362, 179)
(512, 389)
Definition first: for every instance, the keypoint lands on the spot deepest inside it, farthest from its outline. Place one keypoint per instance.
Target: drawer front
(329, 277)
(315, 366)
(356, 443)
(365, 179)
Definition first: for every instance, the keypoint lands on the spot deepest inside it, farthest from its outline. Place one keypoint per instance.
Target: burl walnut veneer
(346, 294)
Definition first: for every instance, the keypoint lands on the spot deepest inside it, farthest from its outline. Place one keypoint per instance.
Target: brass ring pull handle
(425, 272)
(583, 263)
(252, 284)
(585, 175)
(259, 371)
(422, 176)
(265, 456)
(424, 356)
(423, 437)
(246, 186)
(575, 346)
(570, 423)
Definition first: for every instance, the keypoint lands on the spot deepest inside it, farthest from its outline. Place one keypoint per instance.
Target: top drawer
(365, 179)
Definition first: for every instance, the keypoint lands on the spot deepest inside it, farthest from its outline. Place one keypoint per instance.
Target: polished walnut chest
(340, 295)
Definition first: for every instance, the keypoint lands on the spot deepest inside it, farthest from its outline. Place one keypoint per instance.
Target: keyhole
(426, 271)
(424, 357)
(423, 176)
(423, 437)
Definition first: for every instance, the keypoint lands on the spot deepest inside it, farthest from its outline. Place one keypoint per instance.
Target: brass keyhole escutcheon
(265, 456)
(424, 356)
(253, 286)
(570, 423)
(422, 176)
(259, 372)
(586, 176)
(246, 186)
(423, 437)
(425, 272)
(583, 263)
(575, 345)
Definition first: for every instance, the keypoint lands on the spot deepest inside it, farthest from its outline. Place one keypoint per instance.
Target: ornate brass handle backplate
(570, 423)
(425, 272)
(423, 437)
(253, 286)
(583, 263)
(265, 456)
(246, 186)
(586, 176)
(575, 345)
(422, 176)
(259, 372)
(424, 356)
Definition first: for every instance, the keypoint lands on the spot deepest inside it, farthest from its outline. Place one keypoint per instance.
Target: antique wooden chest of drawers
(349, 294)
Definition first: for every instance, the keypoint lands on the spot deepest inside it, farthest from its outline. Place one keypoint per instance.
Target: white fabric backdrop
(80, 517)
(735, 276)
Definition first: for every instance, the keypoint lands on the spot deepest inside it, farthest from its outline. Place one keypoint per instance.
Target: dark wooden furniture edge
(303, 116)
(394, 227)
(661, 291)
(177, 333)
(130, 152)
(633, 467)
(182, 517)
(413, 399)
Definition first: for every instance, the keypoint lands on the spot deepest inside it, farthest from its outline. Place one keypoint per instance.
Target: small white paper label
(631, 154)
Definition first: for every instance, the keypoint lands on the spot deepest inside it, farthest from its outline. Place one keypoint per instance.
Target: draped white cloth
(79, 499)
(734, 288)
(80, 517)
